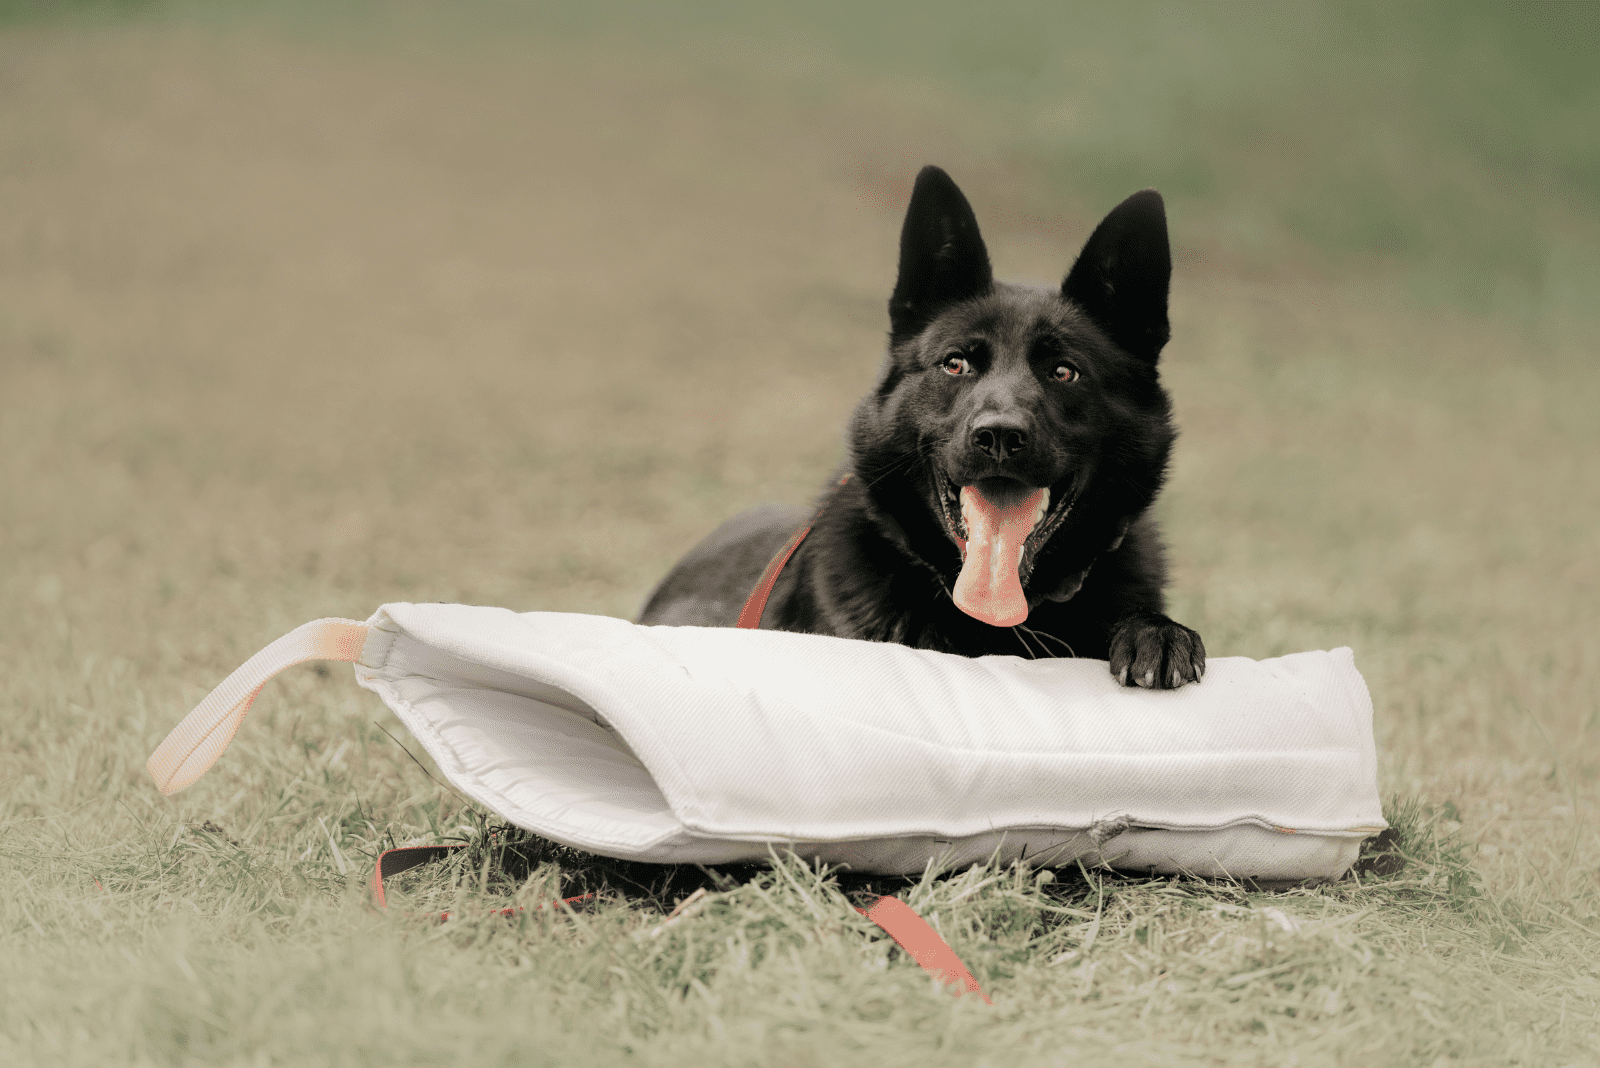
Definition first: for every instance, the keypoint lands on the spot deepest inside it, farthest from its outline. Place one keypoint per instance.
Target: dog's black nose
(998, 439)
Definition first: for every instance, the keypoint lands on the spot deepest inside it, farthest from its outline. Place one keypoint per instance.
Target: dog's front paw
(1152, 651)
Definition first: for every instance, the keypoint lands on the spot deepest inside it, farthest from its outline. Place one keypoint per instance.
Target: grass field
(303, 313)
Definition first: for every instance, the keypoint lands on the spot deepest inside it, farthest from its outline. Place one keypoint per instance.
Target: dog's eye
(956, 364)
(1065, 372)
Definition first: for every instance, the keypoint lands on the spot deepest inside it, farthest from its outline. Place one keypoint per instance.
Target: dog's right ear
(942, 255)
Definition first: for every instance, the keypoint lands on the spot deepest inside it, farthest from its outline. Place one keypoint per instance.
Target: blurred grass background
(309, 307)
(1448, 147)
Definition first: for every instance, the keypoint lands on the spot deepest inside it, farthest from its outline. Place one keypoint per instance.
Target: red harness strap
(756, 604)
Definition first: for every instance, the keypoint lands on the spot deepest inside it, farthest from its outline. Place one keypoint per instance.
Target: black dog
(1001, 473)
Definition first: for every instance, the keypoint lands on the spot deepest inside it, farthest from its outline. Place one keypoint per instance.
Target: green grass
(296, 324)
(222, 956)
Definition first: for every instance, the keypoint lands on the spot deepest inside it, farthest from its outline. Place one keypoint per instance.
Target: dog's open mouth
(999, 524)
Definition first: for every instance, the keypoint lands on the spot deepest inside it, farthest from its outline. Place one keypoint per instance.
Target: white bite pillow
(689, 744)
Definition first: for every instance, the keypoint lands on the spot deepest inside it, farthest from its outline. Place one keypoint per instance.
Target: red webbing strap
(756, 604)
(395, 861)
(912, 933)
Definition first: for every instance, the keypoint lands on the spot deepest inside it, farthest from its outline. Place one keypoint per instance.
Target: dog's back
(708, 587)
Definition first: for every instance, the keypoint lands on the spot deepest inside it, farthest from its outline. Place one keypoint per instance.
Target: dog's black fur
(1007, 388)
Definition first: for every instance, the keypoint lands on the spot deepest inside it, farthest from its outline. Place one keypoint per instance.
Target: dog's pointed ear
(942, 255)
(1122, 275)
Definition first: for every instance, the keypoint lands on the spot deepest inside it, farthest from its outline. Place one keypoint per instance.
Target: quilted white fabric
(678, 744)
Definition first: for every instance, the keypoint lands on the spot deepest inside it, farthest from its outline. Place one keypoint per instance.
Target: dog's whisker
(906, 460)
(873, 477)
(1040, 636)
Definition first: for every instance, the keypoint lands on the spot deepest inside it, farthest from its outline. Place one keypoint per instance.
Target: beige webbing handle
(197, 743)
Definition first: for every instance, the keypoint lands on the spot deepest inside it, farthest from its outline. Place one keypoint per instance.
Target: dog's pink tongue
(988, 587)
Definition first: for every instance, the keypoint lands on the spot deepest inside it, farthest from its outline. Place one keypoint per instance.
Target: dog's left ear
(1122, 275)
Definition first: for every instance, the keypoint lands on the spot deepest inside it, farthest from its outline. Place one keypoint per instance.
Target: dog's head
(1015, 431)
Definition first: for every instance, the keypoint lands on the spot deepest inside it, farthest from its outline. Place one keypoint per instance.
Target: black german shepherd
(1003, 467)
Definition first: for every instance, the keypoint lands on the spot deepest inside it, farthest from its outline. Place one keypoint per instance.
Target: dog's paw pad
(1152, 652)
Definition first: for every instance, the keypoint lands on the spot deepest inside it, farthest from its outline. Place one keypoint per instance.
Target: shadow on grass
(1414, 862)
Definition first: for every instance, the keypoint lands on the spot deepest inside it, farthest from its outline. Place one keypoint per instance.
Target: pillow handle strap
(196, 743)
